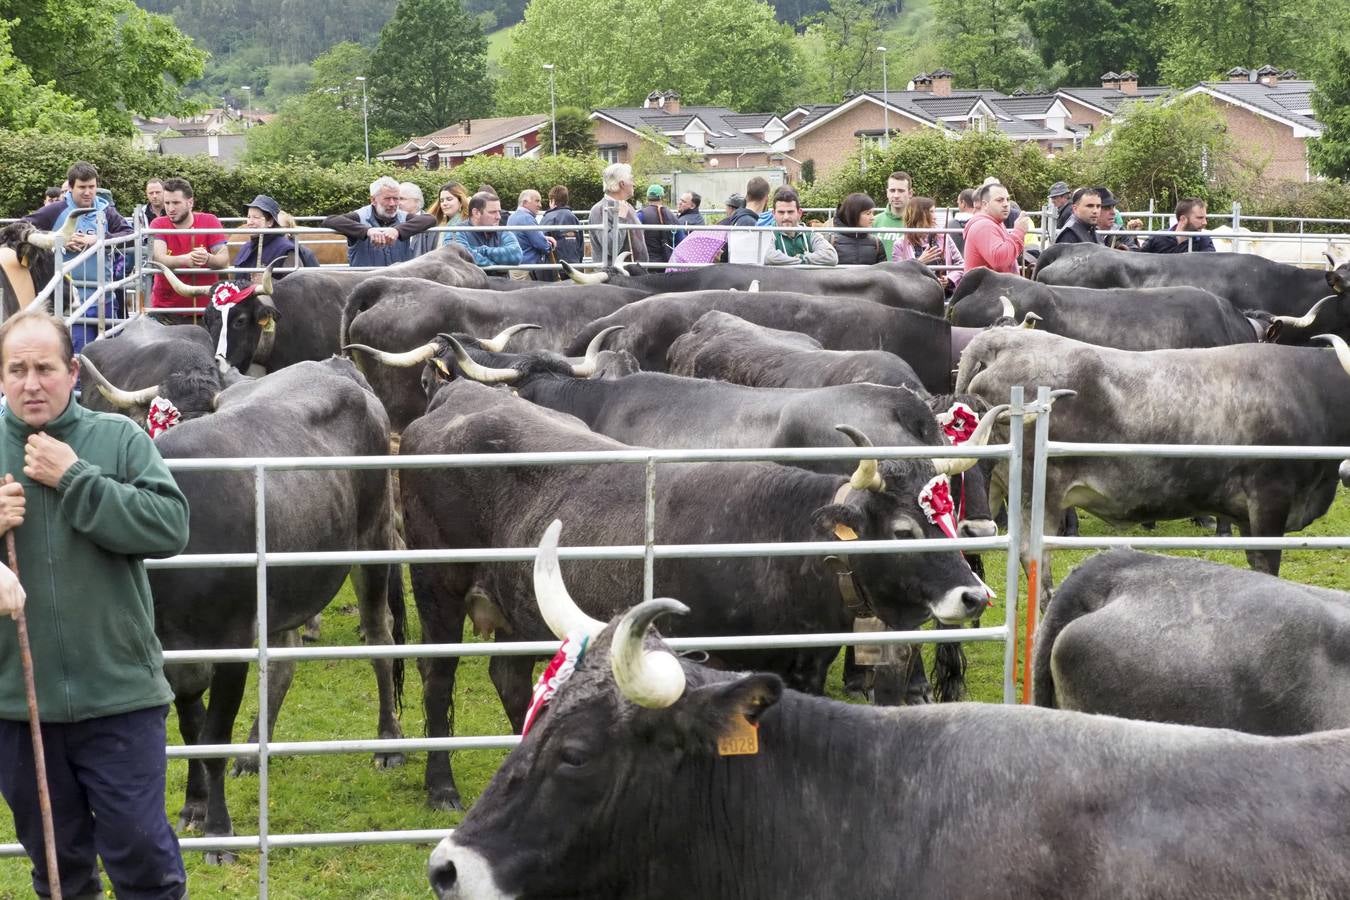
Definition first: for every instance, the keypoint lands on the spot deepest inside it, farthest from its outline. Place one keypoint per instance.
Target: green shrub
(1298, 199)
(29, 164)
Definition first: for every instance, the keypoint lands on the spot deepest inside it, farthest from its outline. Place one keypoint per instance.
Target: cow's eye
(574, 756)
(238, 322)
(906, 529)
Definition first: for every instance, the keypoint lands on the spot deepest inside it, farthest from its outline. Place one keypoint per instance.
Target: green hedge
(29, 164)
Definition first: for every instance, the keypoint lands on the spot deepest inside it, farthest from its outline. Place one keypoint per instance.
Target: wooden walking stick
(39, 758)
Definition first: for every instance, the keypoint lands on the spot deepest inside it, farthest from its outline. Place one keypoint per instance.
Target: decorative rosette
(161, 416)
(936, 501)
(958, 423)
(226, 294)
(555, 674)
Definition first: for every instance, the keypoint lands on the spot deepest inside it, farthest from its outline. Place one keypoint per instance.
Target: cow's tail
(1076, 597)
(398, 612)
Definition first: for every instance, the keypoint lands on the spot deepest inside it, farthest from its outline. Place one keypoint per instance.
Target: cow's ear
(744, 700)
(266, 309)
(839, 520)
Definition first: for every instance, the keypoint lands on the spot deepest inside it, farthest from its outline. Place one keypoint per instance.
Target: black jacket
(858, 249)
(659, 243)
(1077, 232)
(743, 217)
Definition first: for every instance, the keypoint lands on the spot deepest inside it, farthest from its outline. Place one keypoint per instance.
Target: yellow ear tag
(740, 739)
(844, 533)
(440, 364)
(269, 324)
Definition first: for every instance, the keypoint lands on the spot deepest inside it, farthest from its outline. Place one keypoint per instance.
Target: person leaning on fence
(929, 246)
(796, 246)
(1192, 216)
(451, 209)
(205, 249)
(87, 498)
(857, 249)
(265, 249)
(379, 234)
(988, 244)
(410, 203)
(899, 188)
(490, 247)
(535, 246)
(613, 210)
(570, 244)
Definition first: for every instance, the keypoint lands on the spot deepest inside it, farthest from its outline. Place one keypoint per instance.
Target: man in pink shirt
(988, 244)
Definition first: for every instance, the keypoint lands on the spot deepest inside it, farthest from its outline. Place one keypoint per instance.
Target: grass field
(331, 700)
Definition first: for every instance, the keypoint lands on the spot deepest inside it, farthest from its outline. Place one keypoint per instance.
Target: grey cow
(649, 777)
(1170, 639)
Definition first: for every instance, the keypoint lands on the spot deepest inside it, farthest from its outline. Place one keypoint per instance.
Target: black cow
(1180, 640)
(26, 260)
(728, 348)
(709, 784)
(403, 314)
(695, 503)
(1248, 281)
(907, 285)
(309, 409)
(1241, 394)
(930, 345)
(1155, 318)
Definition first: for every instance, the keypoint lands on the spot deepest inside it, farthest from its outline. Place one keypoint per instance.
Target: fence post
(59, 289)
(102, 268)
(607, 222)
(1016, 422)
(649, 533)
(260, 547)
(1036, 535)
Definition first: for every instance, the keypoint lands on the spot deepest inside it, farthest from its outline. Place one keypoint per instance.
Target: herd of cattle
(1225, 349)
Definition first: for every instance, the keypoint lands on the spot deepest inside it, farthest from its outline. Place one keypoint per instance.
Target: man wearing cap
(1108, 220)
(265, 249)
(1082, 227)
(659, 243)
(1060, 204)
(535, 246)
(1192, 216)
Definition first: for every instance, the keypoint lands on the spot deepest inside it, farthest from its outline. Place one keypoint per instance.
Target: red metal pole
(39, 757)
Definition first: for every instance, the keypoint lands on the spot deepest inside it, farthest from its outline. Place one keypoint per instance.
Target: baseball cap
(1059, 189)
(656, 192)
(736, 201)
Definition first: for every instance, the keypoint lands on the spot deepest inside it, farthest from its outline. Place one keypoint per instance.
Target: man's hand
(552, 241)
(382, 237)
(80, 240)
(1134, 225)
(1023, 223)
(11, 593)
(197, 257)
(45, 459)
(11, 503)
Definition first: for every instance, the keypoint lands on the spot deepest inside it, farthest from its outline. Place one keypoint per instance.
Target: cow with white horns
(887, 500)
(26, 261)
(647, 777)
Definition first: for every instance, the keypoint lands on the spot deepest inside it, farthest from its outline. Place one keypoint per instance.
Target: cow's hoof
(445, 800)
(245, 765)
(389, 760)
(1205, 522)
(192, 816)
(219, 858)
(919, 698)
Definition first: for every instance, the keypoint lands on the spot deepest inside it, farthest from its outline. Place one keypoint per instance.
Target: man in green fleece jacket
(87, 497)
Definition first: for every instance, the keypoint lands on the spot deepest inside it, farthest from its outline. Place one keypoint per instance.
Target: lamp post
(365, 122)
(885, 103)
(248, 101)
(552, 108)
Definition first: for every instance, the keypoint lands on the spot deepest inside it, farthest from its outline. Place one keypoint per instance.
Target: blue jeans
(106, 778)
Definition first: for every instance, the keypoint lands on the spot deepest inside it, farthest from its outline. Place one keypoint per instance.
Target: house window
(514, 149)
(609, 154)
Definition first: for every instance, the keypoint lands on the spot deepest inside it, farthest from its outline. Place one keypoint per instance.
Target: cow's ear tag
(269, 324)
(844, 533)
(741, 738)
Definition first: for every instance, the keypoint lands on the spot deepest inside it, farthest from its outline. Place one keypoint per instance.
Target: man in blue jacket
(489, 247)
(535, 246)
(379, 233)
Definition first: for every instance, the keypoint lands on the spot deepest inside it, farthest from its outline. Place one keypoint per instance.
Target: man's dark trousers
(114, 767)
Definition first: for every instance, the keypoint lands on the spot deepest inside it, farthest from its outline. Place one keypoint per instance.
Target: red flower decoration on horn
(227, 293)
(162, 416)
(936, 501)
(558, 670)
(958, 423)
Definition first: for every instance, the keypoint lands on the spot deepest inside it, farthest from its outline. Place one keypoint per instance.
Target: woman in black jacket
(857, 211)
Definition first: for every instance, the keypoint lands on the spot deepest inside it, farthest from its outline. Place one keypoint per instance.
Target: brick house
(512, 136)
(722, 137)
(1269, 116)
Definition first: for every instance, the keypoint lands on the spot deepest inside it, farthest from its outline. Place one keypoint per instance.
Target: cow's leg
(1224, 527)
(511, 677)
(309, 632)
(227, 690)
(1068, 524)
(1265, 519)
(441, 607)
(189, 682)
(279, 678)
(901, 679)
(379, 593)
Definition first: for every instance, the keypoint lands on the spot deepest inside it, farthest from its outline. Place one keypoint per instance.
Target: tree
(1092, 37)
(986, 44)
(844, 40)
(613, 53)
(1204, 38)
(109, 55)
(26, 106)
(429, 69)
(1330, 153)
(576, 132)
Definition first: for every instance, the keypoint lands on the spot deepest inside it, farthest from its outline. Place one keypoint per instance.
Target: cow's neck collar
(851, 591)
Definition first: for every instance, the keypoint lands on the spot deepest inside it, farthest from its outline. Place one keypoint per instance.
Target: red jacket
(991, 246)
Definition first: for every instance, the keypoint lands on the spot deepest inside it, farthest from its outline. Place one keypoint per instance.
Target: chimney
(1129, 83)
(942, 82)
(653, 101)
(923, 82)
(1111, 81)
(1238, 74)
(465, 125)
(672, 102)
(1268, 75)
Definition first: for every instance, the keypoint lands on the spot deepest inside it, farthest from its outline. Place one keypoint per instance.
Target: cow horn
(183, 290)
(585, 367)
(473, 370)
(754, 286)
(622, 260)
(1308, 317)
(653, 679)
(560, 611)
(1339, 345)
(865, 477)
(406, 360)
(268, 284)
(1009, 311)
(498, 343)
(583, 277)
(1030, 320)
(955, 465)
(115, 395)
(46, 240)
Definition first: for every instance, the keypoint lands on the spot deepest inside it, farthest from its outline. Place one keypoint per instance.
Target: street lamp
(365, 122)
(885, 103)
(248, 100)
(552, 108)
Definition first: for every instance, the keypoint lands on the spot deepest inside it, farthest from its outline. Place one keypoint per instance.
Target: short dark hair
(696, 198)
(900, 176)
(985, 190)
(966, 197)
(786, 194)
(81, 171)
(52, 193)
(757, 189)
(479, 201)
(852, 208)
(41, 317)
(179, 184)
(558, 195)
(486, 188)
(1187, 206)
(1083, 192)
